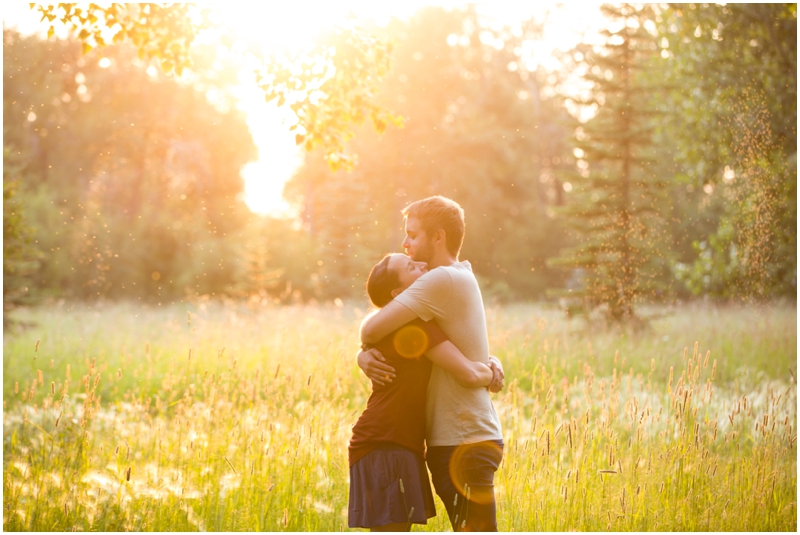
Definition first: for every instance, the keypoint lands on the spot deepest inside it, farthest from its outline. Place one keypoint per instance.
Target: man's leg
(438, 460)
(458, 471)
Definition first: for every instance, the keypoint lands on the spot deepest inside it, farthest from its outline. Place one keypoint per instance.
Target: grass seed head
(229, 464)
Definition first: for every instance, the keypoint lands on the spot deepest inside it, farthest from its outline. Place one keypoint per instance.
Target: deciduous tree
(331, 88)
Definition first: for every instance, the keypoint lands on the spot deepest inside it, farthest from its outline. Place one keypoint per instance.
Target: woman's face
(407, 270)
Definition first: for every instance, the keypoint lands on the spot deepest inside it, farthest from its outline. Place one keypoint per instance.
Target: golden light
(265, 27)
(292, 26)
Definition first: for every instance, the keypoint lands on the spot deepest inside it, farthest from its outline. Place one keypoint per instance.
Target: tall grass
(223, 417)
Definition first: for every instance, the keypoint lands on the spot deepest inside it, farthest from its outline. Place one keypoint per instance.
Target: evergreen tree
(613, 209)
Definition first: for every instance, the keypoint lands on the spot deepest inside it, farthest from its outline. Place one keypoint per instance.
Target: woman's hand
(374, 366)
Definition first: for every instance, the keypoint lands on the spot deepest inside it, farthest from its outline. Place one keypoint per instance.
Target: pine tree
(613, 208)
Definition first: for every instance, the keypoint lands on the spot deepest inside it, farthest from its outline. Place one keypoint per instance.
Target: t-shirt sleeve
(427, 294)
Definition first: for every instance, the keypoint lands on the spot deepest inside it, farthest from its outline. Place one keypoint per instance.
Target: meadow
(235, 416)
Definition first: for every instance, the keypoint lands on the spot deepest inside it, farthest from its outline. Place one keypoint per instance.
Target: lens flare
(411, 341)
(468, 458)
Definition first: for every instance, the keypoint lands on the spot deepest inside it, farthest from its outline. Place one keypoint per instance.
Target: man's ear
(396, 292)
(440, 236)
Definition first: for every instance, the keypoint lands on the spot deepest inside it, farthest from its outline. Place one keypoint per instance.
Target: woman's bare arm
(468, 373)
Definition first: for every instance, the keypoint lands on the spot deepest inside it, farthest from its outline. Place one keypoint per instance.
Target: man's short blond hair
(436, 213)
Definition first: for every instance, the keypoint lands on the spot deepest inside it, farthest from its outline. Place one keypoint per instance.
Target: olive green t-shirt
(455, 414)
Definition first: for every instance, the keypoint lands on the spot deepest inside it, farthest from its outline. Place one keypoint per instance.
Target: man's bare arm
(466, 372)
(388, 319)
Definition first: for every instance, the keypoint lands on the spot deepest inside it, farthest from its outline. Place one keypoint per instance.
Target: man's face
(417, 244)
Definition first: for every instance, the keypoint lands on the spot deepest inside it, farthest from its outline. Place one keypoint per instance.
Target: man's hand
(498, 376)
(374, 366)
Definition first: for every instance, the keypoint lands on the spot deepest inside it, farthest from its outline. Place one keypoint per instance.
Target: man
(464, 440)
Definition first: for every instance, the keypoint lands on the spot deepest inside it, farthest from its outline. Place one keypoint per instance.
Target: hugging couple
(426, 351)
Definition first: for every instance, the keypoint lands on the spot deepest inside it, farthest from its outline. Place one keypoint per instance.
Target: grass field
(226, 417)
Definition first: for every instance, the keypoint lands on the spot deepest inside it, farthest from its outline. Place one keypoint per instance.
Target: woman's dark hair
(381, 282)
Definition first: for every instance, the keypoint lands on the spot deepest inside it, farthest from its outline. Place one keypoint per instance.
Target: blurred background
(605, 157)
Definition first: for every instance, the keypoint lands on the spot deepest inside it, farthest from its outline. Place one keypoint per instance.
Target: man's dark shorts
(467, 470)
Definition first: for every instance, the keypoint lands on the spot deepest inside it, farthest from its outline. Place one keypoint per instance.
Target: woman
(389, 486)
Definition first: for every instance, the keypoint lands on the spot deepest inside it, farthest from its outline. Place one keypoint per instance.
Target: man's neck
(442, 259)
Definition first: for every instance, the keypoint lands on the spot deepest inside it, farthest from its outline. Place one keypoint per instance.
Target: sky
(269, 25)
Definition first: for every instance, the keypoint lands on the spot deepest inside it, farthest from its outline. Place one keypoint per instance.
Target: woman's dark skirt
(389, 485)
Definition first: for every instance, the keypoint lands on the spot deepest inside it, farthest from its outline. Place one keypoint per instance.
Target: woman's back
(396, 411)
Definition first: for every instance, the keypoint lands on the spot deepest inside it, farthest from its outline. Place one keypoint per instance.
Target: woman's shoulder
(433, 333)
(427, 326)
(412, 339)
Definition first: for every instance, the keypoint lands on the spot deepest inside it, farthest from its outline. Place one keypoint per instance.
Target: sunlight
(291, 27)
(267, 26)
